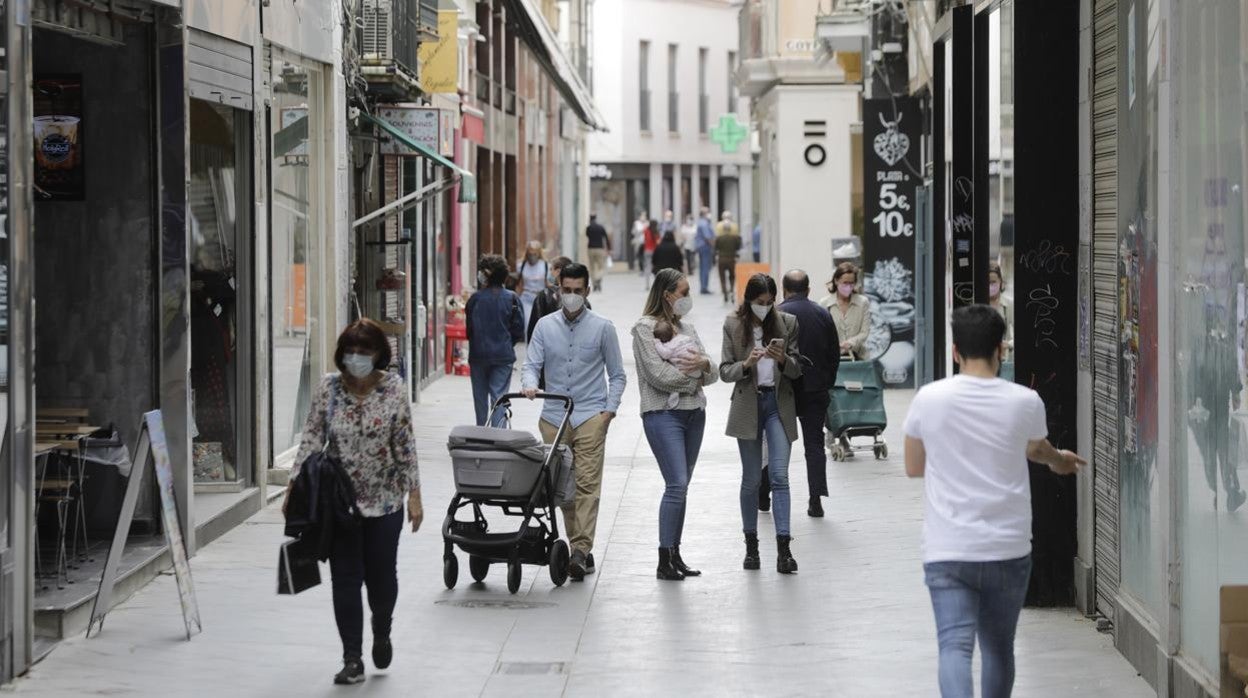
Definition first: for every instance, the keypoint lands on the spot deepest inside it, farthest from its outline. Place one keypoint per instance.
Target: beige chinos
(588, 443)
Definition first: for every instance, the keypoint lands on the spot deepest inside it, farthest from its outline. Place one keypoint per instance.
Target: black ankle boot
(680, 564)
(751, 552)
(785, 564)
(815, 510)
(667, 570)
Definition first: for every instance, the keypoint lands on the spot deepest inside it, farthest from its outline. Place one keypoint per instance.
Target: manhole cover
(530, 668)
(505, 604)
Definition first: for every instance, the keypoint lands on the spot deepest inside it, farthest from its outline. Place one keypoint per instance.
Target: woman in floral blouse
(364, 419)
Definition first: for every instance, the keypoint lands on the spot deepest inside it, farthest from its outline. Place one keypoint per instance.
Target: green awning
(467, 181)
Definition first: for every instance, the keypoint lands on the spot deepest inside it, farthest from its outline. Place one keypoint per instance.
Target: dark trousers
(812, 413)
(366, 556)
(728, 278)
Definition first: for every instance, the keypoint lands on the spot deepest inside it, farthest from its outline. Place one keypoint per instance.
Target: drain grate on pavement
(501, 604)
(531, 668)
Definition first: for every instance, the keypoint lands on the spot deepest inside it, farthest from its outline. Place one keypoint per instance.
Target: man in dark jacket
(819, 344)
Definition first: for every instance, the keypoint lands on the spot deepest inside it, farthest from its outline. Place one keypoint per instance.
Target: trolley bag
(857, 399)
(496, 463)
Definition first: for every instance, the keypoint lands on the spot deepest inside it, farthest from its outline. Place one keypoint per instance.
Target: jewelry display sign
(892, 132)
(151, 442)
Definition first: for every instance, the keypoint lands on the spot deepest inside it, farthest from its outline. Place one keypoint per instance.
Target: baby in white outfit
(670, 346)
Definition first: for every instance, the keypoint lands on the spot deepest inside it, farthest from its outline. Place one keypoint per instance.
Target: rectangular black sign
(891, 135)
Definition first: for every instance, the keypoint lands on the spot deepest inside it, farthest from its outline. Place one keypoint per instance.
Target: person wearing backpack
(362, 418)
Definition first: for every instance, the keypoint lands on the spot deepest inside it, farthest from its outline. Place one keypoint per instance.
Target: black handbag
(297, 568)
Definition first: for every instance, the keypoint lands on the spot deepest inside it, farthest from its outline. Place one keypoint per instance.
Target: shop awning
(467, 181)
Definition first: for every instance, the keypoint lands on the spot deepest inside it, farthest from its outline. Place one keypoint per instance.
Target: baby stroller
(857, 410)
(515, 472)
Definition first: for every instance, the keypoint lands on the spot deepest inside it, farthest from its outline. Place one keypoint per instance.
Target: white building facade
(663, 76)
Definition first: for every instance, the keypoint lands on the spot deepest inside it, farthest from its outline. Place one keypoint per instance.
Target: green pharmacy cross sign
(729, 134)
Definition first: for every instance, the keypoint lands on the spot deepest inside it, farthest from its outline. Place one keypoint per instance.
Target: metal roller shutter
(1105, 311)
(218, 70)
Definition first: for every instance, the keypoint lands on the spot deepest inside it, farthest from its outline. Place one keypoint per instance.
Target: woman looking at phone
(760, 358)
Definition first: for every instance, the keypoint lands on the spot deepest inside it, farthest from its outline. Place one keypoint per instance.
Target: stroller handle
(508, 397)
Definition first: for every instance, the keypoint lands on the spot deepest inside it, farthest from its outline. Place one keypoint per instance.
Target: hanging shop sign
(891, 176)
(59, 172)
(421, 124)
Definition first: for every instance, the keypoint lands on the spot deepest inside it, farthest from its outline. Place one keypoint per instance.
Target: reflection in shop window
(296, 172)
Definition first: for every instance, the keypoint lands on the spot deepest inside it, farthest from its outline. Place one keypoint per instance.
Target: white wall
(619, 27)
(803, 206)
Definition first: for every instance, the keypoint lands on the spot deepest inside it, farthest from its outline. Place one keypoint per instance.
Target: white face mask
(358, 365)
(760, 311)
(481, 280)
(681, 306)
(572, 302)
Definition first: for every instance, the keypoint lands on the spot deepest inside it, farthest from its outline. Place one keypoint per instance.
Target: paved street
(855, 621)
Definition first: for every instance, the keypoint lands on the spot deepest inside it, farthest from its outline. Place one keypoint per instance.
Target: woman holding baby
(673, 407)
(760, 355)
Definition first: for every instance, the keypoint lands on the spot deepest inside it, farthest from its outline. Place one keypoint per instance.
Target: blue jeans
(977, 599)
(778, 448)
(489, 382)
(675, 437)
(705, 257)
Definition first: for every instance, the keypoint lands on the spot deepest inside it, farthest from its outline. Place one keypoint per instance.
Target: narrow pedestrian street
(855, 621)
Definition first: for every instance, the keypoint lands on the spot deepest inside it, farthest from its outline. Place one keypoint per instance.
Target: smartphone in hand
(777, 342)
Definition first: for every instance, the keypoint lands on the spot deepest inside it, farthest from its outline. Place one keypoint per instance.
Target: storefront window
(296, 271)
(1210, 307)
(1139, 503)
(219, 146)
(1001, 165)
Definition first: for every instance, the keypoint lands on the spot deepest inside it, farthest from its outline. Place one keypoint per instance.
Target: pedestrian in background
(706, 251)
(599, 243)
(1000, 302)
(495, 324)
(760, 357)
(650, 243)
(726, 225)
(727, 247)
(819, 345)
(638, 240)
(668, 225)
(668, 254)
(689, 243)
(850, 310)
(673, 432)
(756, 242)
(344, 419)
(534, 273)
(548, 300)
(578, 351)
(970, 437)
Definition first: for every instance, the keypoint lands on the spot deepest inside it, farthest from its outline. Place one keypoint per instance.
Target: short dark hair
(797, 281)
(364, 334)
(575, 271)
(978, 331)
(560, 262)
(495, 268)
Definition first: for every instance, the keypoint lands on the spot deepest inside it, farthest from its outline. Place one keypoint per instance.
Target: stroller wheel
(881, 452)
(559, 563)
(513, 576)
(479, 567)
(450, 571)
(838, 452)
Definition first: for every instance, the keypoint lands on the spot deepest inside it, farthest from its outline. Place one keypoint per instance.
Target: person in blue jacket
(495, 323)
(706, 250)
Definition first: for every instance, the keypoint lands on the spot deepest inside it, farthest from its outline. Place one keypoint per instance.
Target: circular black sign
(815, 155)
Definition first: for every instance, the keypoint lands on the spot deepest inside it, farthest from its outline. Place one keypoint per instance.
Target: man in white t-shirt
(971, 436)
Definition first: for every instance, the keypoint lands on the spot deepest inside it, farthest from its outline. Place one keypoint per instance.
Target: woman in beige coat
(850, 310)
(760, 357)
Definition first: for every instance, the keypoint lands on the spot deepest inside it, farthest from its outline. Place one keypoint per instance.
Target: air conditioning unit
(378, 31)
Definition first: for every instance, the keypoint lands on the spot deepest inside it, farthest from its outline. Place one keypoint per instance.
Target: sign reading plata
(891, 175)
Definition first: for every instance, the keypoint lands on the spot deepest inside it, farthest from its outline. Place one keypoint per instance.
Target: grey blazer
(743, 414)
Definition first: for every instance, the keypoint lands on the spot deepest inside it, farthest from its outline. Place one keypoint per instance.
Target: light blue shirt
(574, 355)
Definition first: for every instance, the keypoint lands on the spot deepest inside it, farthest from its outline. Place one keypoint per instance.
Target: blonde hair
(665, 281)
